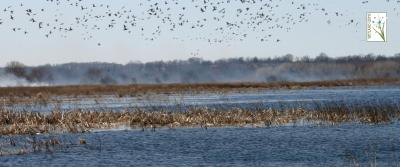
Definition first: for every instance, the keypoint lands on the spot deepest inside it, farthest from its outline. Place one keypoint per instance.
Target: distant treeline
(197, 70)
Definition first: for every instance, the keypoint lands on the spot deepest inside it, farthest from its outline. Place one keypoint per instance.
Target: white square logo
(376, 27)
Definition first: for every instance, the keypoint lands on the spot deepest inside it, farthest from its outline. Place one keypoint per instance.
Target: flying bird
(220, 21)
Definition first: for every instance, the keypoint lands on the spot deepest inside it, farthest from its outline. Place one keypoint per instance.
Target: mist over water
(7, 80)
(198, 70)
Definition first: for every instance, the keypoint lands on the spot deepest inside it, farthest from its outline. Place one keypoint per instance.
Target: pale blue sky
(336, 39)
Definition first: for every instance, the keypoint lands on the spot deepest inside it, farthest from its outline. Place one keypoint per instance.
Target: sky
(339, 38)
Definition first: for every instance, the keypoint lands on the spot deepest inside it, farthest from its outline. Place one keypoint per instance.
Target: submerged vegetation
(79, 121)
(10, 145)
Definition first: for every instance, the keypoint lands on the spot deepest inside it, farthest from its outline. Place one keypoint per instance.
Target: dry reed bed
(17, 123)
(133, 90)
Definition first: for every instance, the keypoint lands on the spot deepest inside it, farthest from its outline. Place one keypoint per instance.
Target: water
(255, 99)
(277, 146)
(302, 145)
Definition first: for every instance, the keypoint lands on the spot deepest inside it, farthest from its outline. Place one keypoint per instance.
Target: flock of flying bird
(215, 21)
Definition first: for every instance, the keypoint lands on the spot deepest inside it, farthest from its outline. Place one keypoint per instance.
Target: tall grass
(78, 121)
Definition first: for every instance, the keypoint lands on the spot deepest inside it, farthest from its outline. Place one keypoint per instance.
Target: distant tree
(164, 76)
(93, 75)
(41, 74)
(288, 58)
(271, 78)
(190, 77)
(133, 80)
(157, 80)
(305, 59)
(254, 60)
(381, 58)
(16, 68)
(194, 70)
(322, 58)
(283, 59)
(108, 80)
(194, 60)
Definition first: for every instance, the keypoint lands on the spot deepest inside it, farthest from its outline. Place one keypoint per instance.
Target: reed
(80, 121)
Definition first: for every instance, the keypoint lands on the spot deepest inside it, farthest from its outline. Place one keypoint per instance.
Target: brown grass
(17, 123)
(132, 90)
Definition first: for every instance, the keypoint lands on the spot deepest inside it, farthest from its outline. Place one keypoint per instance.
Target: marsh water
(294, 145)
(340, 145)
(251, 99)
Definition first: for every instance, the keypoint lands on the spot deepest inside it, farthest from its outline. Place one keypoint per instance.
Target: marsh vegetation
(97, 129)
(45, 92)
(80, 121)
